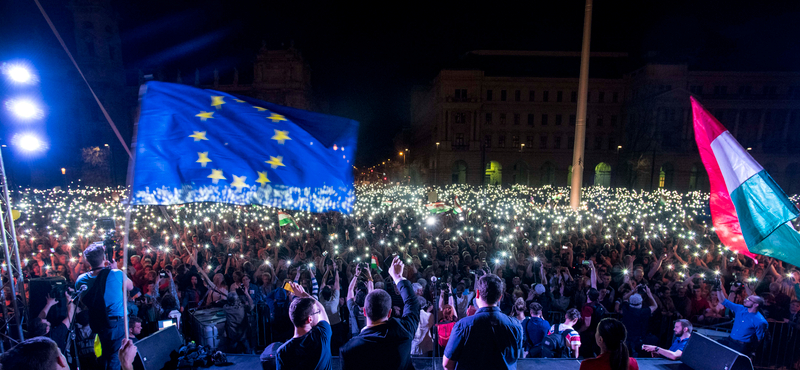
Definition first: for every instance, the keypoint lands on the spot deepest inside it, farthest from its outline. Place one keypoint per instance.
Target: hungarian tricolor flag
(373, 263)
(750, 212)
(457, 206)
(438, 207)
(387, 202)
(531, 202)
(284, 219)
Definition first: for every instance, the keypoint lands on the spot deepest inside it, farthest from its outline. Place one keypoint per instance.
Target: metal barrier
(779, 348)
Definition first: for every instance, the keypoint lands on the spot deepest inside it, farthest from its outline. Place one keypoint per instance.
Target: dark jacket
(386, 346)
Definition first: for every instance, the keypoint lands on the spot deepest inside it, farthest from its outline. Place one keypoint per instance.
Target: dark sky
(366, 58)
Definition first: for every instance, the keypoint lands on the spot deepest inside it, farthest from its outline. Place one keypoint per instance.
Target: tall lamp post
(22, 110)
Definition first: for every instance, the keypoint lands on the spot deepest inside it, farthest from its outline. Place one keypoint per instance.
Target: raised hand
(396, 269)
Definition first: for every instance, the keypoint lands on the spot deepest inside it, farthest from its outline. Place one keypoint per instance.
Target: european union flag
(195, 145)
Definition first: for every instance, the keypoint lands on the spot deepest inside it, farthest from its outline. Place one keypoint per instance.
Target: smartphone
(586, 262)
(52, 250)
(288, 287)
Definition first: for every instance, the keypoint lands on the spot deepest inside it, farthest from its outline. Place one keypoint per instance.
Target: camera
(641, 290)
(162, 273)
(363, 266)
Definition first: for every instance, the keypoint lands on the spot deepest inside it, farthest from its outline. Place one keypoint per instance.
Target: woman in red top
(610, 338)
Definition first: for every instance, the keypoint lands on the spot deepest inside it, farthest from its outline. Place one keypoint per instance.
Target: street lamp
(23, 108)
(29, 142)
(18, 73)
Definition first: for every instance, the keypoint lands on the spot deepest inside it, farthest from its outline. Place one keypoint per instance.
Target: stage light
(24, 108)
(19, 73)
(29, 142)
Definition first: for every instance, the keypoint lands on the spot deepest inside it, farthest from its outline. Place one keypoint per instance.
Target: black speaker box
(156, 348)
(40, 288)
(703, 353)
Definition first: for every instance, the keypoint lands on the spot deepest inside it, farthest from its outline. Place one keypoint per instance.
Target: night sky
(367, 58)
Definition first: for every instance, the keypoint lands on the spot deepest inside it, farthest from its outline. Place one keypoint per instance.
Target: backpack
(597, 314)
(95, 301)
(444, 330)
(554, 345)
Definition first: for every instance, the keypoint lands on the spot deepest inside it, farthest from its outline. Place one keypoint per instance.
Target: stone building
(508, 117)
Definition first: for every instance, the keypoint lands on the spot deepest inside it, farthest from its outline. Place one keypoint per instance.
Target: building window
(745, 90)
(502, 118)
(544, 120)
(543, 142)
(488, 95)
(559, 96)
(598, 143)
(770, 90)
(459, 139)
(502, 95)
(530, 119)
(501, 141)
(489, 119)
(459, 117)
(557, 142)
(487, 141)
(572, 120)
(599, 120)
(573, 97)
(516, 119)
(601, 98)
(571, 142)
(461, 94)
(613, 121)
(545, 96)
(615, 97)
(531, 95)
(529, 141)
(558, 120)
(720, 90)
(696, 89)
(517, 95)
(515, 141)
(612, 144)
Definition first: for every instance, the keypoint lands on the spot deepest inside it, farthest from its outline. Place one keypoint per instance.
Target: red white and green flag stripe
(373, 263)
(457, 206)
(284, 219)
(438, 207)
(750, 212)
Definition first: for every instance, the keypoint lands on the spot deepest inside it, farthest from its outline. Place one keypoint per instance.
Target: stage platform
(252, 362)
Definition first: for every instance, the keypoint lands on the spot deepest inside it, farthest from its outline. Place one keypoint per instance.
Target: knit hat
(539, 289)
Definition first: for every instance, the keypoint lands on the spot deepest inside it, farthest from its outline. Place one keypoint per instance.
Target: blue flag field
(195, 145)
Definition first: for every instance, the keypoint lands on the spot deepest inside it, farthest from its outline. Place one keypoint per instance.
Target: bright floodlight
(19, 74)
(29, 142)
(430, 221)
(23, 108)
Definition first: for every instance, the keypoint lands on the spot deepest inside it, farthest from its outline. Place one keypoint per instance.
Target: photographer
(310, 348)
(355, 299)
(636, 317)
(105, 299)
(749, 326)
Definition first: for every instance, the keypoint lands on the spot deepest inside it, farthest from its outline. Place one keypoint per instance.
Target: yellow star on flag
(275, 117)
(203, 158)
(216, 101)
(259, 108)
(262, 178)
(239, 182)
(281, 136)
(215, 176)
(199, 135)
(238, 100)
(204, 115)
(276, 161)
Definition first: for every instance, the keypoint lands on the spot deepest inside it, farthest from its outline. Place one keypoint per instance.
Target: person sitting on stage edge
(749, 326)
(683, 330)
(489, 339)
(385, 343)
(106, 310)
(610, 336)
(310, 348)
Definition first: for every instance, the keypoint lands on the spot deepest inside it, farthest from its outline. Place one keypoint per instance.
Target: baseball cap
(636, 300)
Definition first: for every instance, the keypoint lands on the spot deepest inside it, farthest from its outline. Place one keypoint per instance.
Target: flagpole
(580, 121)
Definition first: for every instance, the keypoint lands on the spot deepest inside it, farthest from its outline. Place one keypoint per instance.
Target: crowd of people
(650, 259)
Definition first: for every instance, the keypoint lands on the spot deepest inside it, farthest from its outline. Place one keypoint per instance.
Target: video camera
(110, 241)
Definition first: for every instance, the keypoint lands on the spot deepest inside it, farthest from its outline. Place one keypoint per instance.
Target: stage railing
(780, 348)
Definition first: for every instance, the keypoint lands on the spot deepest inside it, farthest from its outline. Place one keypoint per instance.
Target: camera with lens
(162, 273)
(110, 241)
(641, 290)
(363, 266)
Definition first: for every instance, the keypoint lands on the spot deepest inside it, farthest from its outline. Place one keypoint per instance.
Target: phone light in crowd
(311, 265)
(716, 272)
(288, 262)
(496, 261)
(430, 221)
(266, 262)
(625, 271)
(535, 259)
(669, 267)
(29, 142)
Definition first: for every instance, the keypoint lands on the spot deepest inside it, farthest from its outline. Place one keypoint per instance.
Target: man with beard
(749, 325)
(683, 331)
